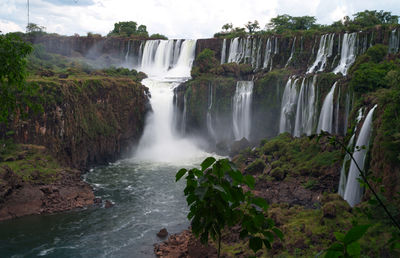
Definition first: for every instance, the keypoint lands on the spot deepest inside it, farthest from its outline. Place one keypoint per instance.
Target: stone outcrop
(86, 121)
(19, 198)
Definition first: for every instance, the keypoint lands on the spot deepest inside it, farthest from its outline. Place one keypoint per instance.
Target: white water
(268, 53)
(291, 52)
(326, 115)
(223, 52)
(288, 106)
(242, 109)
(348, 53)
(159, 143)
(305, 112)
(210, 126)
(394, 41)
(343, 176)
(324, 52)
(353, 192)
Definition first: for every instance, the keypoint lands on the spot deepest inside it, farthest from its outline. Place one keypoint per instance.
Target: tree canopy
(286, 22)
(15, 93)
(129, 28)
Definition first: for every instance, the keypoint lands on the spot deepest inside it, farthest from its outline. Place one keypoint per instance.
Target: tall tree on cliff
(15, 93)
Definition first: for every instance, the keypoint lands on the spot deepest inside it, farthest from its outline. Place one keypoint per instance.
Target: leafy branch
(217, 200)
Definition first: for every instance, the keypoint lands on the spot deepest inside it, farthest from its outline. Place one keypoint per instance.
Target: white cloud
(9, 26)
(174, 18)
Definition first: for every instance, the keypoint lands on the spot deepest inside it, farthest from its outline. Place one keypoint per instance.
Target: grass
(31, 162)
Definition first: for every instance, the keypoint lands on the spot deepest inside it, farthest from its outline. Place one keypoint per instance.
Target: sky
(173, 18)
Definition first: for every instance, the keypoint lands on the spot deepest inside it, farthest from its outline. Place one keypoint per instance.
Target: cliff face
(86, 121)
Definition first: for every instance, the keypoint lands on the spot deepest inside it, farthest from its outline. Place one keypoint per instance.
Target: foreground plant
(217, 201)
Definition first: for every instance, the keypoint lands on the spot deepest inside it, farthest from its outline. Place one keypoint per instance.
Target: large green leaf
(180, 174)
(207, 163)
(260, 202)
(355, 233)
(354, 249)
(255, 243)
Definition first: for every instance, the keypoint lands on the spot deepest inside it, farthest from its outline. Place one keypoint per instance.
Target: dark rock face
(86, 122)
(163, 233)
(19, 198)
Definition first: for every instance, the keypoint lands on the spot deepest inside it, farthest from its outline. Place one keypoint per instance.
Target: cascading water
(353, 191)
(326, 115)
(324, 52)
(223, 52)
(210, 126)
(291, 52)
(394, 41)
(241, 109)
(288, 106)
(159, 143)
(268, 53)
(343, 176)
(304, 122)
(348, 53)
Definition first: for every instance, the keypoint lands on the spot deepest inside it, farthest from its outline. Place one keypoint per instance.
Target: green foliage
(158, 36)
(286, 22)
(129, 28)
(206, 60)
(371, 18)
(217, 200)
(347, 245)
(377, 52)
(34, 28)
(15, 94)
(252, 26)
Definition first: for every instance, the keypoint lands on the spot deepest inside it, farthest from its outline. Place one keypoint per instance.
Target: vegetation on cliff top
(286, 24)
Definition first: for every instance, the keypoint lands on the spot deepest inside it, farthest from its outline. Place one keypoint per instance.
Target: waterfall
(304, 122)
(291, 52)
(326, 115)
(158, 143)
(140, 55)
(223, 52)
(210, 100)
(353, 191)
(268, 52)
(324, 52)
(347, 54)
(242, 109)
(343, 176)
(288, 105)
(394, 41)
(127, 51)
(235, 51)
(177, 49)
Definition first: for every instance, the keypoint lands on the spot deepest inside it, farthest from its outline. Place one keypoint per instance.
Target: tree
(34, 28)
(15, 93)
(128, 29)
(252, 26)
(286, 22)
(371, 18)
(227, 27)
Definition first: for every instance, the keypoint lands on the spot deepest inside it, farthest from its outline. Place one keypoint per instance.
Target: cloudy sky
(173, 18)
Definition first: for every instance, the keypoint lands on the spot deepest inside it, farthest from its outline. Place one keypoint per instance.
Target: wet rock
(237, 146)
(108, 204)
(163, 233)
(97, 200)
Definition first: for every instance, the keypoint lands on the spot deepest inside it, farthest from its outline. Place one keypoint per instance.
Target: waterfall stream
(242, 109)
(325, 122)
(353, 191)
